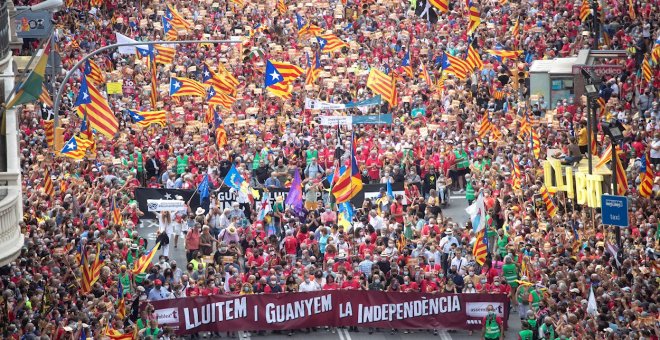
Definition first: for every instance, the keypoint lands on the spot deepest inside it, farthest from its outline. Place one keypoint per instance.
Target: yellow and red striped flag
(646, 70)
(238, 3)
(474, 59)
(405, 64)
(585, 11)
(313, 69)
(146, 118)
(621, 177)
(90, 274)
(101, 117)
(169, 32)
(121, 304)
(504, 54)
(44, 97)
(330, 43)
(214, 97)
(309, 29)
(480, 248)
(475, 18)
(145, 260)
(49, 131)
(647, 177)
(116, 212)
(49, 188)
(425, 75)
(594, 145)
(279, 76)
(536, 144)
(281, 7)
(220, 81)
(164, 55)
(495, 131)
(76, 147)
(485, 126)
(516, 183)
(180, 87)
(228, 77)
(631, 10)
(96, 3)
(382, 84)
(442, 5)
(94, 72)
(459, 67)
(550, 206)
(176, 19)
(515, 30)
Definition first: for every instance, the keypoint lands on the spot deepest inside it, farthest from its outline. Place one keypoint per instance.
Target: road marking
(444, 335)
(341, 335)
(152, 236)
(244, 335)
(455, 196)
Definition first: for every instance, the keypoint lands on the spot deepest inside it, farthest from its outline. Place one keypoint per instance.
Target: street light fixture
(591, 89)
(48, 5)
(614, 129)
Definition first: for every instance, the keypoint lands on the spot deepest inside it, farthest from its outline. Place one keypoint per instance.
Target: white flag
(592, 308)
(477, 212)
(122, 39)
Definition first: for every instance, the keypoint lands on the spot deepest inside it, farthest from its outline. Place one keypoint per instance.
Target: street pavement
(455, 210)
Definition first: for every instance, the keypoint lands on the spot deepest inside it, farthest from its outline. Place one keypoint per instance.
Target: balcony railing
(4, 29)
(11, 239)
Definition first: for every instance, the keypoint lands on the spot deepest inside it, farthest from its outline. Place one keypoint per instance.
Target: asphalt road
(455, 210)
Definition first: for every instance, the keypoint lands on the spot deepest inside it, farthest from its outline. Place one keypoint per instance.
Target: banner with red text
(220, 313)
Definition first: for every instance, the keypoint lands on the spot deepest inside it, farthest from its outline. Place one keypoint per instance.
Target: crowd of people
(548, 265)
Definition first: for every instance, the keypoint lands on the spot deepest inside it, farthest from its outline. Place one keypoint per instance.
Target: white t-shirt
(309, 287)
(655, 153)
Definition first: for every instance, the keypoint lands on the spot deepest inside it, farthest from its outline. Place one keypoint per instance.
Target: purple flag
(294, 198)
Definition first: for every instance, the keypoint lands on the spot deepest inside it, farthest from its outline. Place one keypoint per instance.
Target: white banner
(166, 205)
(336, 120)
(313, 104)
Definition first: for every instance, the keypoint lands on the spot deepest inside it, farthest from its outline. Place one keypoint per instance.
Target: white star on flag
(71, 146)
(85, 94)
(207, 74)
(168, 196)
(275, 75)
(177, 84)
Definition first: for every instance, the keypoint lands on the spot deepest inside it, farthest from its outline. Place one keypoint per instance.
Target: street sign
(615, 210)
(33, 24)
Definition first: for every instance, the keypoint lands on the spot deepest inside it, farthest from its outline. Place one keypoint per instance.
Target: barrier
(221, 313)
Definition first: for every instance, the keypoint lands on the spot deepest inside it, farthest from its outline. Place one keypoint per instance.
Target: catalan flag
(485, 126)
(550, 206)
(631, 10)
(96, 3)
(116, 212)
(425, 75)
(330, 43)
(216, 80)
(655, 52)
(114, 334)
(621, 178)
(228, 77)
(121, 304)
(153, 96)
(146, 118)
(100, 116)
(313, 69)
(382, 84)
(442, 5)
(49, 189)
(44, 97)
(536, 143)
(279, 76)
(647, 176)
(49, 131)
(169, 32)
(90, 274)
(406, 66)
(306, 29)
(495, 132)
(281, 7)
(516, 183)
(480, 248)
(214, 97)
(145, 260)
(515, 31)
(238, 3)
(459, 67)
(76, 147)
(525, 126)
(585, 11)
(180, 87)
(94, 72)
(176, 19)
(164, 55)
(349, 183)
(475, 18)
(606, 156)
(220, 136)
(473, 58)
(504, 54)
(594, 145)
(646, 70)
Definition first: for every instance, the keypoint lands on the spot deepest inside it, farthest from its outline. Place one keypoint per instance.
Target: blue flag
(294, 198)
(347, 209)
(204, 189)
(389, 190)
(233, 178)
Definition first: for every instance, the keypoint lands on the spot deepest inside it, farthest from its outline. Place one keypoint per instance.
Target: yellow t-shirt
(582, 137)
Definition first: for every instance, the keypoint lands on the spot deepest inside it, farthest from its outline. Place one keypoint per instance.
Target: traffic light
(522, 79)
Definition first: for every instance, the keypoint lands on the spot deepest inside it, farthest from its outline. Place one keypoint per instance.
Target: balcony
(11, 239)
(4, 29)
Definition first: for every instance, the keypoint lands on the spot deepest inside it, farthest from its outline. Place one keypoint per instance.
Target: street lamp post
(614, 130)
(57, 100)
